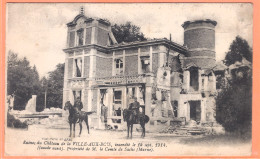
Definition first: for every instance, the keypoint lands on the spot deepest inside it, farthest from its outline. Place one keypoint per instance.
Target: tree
(40, 102)
(22, 80)
(55, 87)
(238, 49)
(234, 102)
(127, 33)
(234, 106)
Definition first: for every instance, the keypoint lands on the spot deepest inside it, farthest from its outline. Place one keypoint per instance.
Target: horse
(75, 117)
(128, 116)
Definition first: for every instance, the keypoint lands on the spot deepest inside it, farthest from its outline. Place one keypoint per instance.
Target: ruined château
(172, 82)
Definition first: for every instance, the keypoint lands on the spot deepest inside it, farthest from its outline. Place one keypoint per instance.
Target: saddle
(136, 116)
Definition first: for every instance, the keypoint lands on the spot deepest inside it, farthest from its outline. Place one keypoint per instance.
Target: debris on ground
(15, 123)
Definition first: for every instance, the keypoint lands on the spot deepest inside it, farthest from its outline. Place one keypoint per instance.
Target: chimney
(82, 10)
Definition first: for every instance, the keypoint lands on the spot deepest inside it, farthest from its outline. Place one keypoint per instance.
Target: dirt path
(162, 145)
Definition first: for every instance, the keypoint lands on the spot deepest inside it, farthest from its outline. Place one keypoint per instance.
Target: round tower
(199, 38)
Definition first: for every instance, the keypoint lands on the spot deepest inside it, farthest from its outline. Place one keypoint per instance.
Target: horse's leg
(80, 126)
(70, 128)
(131, 130)
(128, 130)
(74, 125)
(143, 129)
(86, 121)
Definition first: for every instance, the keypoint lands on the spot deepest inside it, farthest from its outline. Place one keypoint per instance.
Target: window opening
(78, 67)
(145, 61)
(117, 106)
(194, 79)
(80, 37)
(175, 108)
(119, 67)
(202, 84)
(77, 94)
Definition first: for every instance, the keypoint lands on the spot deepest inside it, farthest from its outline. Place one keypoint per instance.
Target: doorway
(195, 110)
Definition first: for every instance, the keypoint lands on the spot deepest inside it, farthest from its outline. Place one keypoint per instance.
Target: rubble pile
(193, 128)
(169, 129)
(49, 118)
(52, 110)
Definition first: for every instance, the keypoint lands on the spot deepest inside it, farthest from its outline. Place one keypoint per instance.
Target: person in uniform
(78, 104)
(135, 108)
(104, 114)
(10, 101)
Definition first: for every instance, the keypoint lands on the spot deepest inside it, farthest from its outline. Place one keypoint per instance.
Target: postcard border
(256, 72)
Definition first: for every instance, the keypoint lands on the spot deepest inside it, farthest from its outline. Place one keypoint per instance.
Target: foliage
(54, 86)
(40, 102)
(234, 106)
(127, 33)
(234, 102)
(237, 50)
(22, 80)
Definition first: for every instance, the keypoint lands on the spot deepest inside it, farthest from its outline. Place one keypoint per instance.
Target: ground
(27, 142)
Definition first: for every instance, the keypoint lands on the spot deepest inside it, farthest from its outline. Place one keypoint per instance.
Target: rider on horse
(78, 104)
(135, 108)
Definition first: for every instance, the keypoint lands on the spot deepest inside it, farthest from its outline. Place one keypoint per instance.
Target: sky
(38, 31)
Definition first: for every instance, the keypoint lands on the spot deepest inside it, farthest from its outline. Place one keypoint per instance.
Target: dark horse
(129, 118)
(75, 117)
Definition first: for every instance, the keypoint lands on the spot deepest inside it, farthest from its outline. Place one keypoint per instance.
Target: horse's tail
(146, 119)
(89, 113)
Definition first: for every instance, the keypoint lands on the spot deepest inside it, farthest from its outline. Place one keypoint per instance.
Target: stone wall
(119, 52)
(88, 35)
(155, 62)
(131, 51)
(70, 68)
(102, 37)
(208, 53)
(145, 49)
(95, 103)
(103, 67)
(210, 109)
(131, 66)
(199, 38)
(203, 63)
(85, 101)
(86, 66)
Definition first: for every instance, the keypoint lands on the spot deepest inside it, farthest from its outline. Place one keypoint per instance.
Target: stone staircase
(192, 128)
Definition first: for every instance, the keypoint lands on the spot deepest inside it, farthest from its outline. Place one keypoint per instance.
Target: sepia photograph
(128, 79)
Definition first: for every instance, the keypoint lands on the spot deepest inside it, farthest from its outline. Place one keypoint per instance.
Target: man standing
(10, 101)
(135, 108)
(104, 114)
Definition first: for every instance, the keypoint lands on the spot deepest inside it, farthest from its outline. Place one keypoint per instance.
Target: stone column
(200, 80)
(203, 111)
(148, 103)
(187, 111)
(186, 80)
(214, 82)
(90, 99)
(34, 102)
(139, 62)
(206, 79)
(31, 105)
(151, 59)
(148, 96)
(110, 101)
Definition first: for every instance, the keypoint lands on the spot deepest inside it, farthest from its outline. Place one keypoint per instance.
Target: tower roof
(185, 24)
